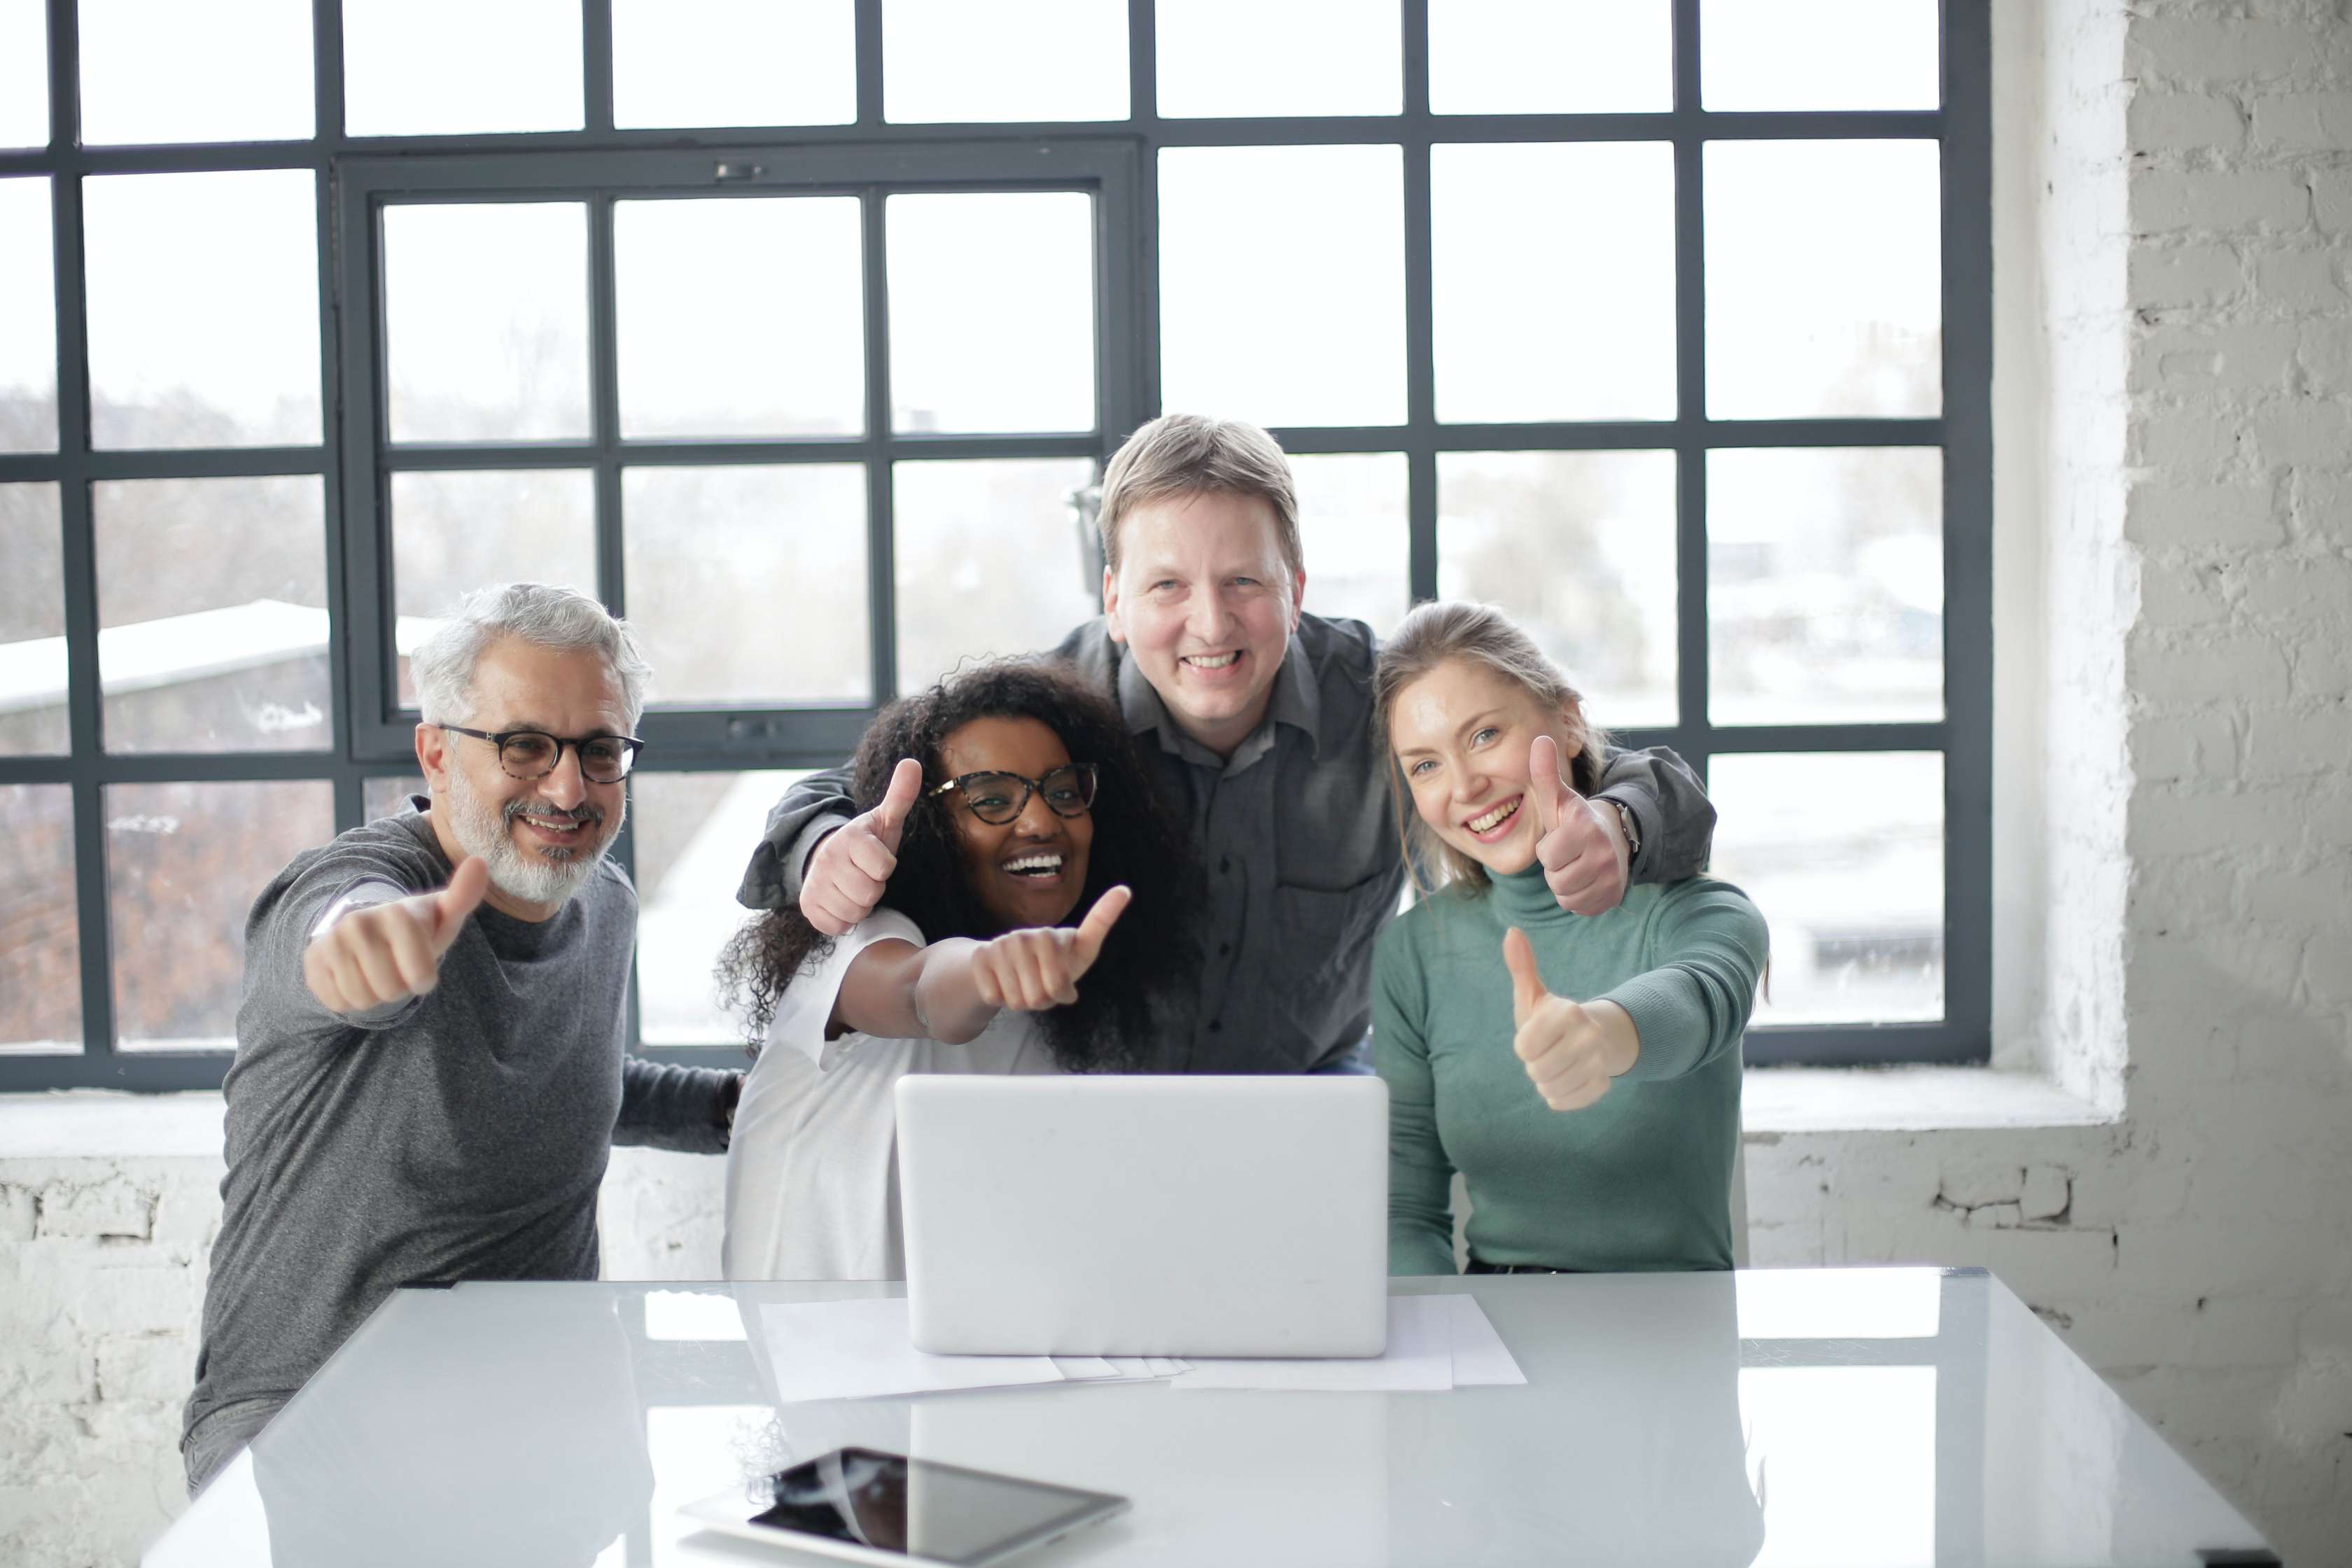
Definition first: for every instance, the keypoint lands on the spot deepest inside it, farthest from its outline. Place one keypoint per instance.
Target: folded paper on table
(860, 1350)
(1479, 1354)
(1435, 1343)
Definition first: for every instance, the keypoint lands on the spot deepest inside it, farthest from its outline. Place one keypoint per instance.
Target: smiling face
(1028, 871)
(1205, 603)
(1461, 733)
(540, 838)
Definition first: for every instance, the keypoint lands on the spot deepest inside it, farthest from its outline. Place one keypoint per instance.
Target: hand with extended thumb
(387, 952)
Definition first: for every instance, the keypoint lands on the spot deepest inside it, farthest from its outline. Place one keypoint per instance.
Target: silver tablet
(870, 1506)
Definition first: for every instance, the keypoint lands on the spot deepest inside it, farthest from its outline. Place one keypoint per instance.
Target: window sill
(1777, 1101)
(111, 1124)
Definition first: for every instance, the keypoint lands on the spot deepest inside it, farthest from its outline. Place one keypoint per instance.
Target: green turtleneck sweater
(1641, 1179)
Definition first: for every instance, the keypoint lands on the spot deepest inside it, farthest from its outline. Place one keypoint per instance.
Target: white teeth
(1481, 824)
(1212, 661)
(1034, 863)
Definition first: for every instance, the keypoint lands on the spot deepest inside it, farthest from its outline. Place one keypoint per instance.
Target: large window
(799, 333)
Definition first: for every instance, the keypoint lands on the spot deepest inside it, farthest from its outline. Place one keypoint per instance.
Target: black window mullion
(1420, 434)
(84, 705)
(605, 383)
(596, 66)
(1966, 247)
(865, 20)
(881, 580)
(1690, 394)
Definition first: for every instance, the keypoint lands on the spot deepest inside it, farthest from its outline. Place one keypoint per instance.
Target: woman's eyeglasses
(1000, 797)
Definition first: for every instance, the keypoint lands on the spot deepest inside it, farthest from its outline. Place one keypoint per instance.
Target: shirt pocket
(1324, 940)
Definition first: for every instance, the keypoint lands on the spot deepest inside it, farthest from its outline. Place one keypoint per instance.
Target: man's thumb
(890, 816)
(459, 899)
(1527, 987)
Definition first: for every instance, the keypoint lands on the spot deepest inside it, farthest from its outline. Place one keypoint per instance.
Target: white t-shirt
(812, 1168)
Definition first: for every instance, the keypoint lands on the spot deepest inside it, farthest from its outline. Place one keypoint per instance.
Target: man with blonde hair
(1255, 718)
(431, 1060)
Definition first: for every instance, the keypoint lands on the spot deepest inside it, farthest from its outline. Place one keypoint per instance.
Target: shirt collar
(1298, 701)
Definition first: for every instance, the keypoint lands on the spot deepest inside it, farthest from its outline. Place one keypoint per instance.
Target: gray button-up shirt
(1298, 840)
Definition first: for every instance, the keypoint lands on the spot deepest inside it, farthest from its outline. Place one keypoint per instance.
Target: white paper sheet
(1419, 1356)
(1479, 1354)
(861, 1350)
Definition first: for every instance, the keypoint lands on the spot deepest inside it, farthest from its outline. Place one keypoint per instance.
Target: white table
(1865, 1417)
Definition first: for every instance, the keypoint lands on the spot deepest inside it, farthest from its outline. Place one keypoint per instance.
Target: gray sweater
(459, 1135)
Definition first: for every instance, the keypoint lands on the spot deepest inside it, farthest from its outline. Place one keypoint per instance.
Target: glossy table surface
(1866, 1416)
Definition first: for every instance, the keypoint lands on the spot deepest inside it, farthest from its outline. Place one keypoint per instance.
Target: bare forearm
(895, 991)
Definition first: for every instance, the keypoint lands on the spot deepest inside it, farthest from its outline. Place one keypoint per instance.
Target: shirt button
(1223, 948)
(1225, 863)
(1215, 1024)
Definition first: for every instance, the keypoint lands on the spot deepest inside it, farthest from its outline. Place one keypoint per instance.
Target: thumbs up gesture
(1039, 967)
(1580, 844)
(847, 874)
(390, 952)
(1571, 1051)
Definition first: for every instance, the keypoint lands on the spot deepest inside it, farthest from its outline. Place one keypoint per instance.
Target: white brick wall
(2175, 515)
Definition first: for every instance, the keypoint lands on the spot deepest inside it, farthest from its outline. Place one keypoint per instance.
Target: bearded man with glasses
(431, 1063)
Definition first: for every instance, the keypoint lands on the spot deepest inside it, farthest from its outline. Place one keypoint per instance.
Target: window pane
(951, 60)
(1826, 586)
(1536, 320)
(1854, 896)
(780, 64)
(41, 964)
(1356, 533)
(740, 317)
(485, 322)
(694, 832)
(1550, 57)
(747, 584)
(993, 312)
(388, 796)
(1848, 323)
(195, 73)
(32, 622)
(455, 533)
(28, 319)
(1818, 54)
(24, 73)
(991, 560)
(1579, 547)
(183, 864)
(1280, 57)
(212, 613)
(1308, 332)
(436, 68)
(1848, 1454)
(204, 308)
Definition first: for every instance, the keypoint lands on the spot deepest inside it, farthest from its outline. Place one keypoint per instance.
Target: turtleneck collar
(1524, 898)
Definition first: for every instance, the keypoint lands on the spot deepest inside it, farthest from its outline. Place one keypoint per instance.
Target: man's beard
(549, 875)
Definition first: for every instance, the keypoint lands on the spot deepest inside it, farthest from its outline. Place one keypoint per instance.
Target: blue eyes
(1487, 736)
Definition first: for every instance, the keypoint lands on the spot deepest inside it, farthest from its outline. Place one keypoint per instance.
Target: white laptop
(1145, 1215)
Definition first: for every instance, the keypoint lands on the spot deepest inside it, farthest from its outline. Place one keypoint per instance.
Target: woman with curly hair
(1023, 930)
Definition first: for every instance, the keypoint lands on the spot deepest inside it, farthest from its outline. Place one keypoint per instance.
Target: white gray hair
(564, 619)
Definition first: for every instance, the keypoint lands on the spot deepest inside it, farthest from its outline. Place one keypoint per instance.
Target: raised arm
(1420, 1176)
(1692, 1006)
(1672, 815)
(833, 864)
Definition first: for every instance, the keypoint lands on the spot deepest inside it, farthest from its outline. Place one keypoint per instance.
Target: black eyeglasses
(530, 755)
(1069, 792)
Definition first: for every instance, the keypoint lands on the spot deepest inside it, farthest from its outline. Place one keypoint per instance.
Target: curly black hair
(1138, 841)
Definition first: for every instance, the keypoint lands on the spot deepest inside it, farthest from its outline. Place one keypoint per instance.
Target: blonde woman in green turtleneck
(1580, 1071)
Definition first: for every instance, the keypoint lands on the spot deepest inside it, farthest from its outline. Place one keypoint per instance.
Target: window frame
(351, 172)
